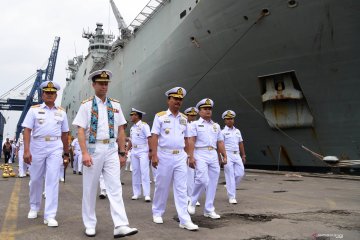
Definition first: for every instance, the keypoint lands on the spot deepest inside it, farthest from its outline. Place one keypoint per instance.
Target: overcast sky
(28, 30)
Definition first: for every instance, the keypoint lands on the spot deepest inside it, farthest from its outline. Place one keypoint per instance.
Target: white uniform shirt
(75, 144)
(170, 129)
(232, 138)
(207, 133)
(46, 122)
(13, 147)
(139, 133)
(83, 118)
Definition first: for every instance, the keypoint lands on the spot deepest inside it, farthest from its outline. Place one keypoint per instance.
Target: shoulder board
(86, 100)
(183, 115)
(35, 106)
(159, 114)
(143, 122)
(61, 108)
(114, 100)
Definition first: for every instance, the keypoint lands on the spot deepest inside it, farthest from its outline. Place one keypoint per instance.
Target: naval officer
(234, 146)
(77, 163)
(140, 140)
(100, 121)
(191, 114)
(205, 140)
(20, 155)
(167, 144)
(47, 127)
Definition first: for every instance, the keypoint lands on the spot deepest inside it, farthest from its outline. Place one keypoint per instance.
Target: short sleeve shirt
(46, 122)
(207, 133)
(75, 144)
(232, 138)
(171, 129)
(139, 133)
(83, 117)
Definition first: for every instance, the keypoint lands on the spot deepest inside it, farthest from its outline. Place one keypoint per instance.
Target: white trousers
(234, 172)
(207, 173)
(61, 171)
(190, 180)
(171, 168)
(46, 159)
(140, 172)
(102, 183)
(154, 172)
(22, 164)
(77, 164)
(106, 161)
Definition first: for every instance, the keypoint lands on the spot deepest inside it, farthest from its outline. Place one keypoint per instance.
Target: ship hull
(221, 50)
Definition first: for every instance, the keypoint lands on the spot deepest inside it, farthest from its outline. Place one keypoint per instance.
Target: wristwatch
(66, 154)
(121, 153)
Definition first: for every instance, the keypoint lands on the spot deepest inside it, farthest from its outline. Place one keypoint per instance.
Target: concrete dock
(271, 205)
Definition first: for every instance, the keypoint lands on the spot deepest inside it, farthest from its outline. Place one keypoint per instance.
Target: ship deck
(271, 205)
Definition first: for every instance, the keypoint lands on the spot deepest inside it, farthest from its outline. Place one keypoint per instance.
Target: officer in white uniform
(47, 126)
(77, 164)
(234, 146)
(20, 155)
(205, 136)
(167, 144)
(100, 121)
(191, 114)
(13, 151)
(140, 140)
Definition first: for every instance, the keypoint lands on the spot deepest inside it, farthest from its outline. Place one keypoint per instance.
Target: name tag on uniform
(58, 114)
(167, 121)
(200, 125)
(182, 121)
(227, 133)
(41, 112)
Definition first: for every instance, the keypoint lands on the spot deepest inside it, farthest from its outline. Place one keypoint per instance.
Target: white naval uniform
(22, 164)
(77, 164)
(46, 149)
(172, 163)
(234, 169)
(13, 151)
(139, 134)
(207, 168)
(105, 160)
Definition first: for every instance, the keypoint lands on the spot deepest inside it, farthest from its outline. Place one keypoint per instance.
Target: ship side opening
(284, 104)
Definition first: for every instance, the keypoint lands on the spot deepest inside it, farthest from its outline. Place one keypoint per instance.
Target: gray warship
(288, 68)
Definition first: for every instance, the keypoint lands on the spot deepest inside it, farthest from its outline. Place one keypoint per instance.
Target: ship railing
(151, 8)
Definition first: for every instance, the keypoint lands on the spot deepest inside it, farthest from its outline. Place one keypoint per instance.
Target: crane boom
(49, 75)
(119, 18)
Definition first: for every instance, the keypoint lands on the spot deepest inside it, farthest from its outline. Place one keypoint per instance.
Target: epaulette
(143, 122)
(61, 108)
(35, 106)
(86, 100)
(184, 115)
(159, 114)
(114, 100)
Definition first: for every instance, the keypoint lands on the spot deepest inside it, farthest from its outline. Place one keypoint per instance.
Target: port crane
(34, 96)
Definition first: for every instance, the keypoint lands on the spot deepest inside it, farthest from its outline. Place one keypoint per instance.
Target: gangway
(34, 96)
